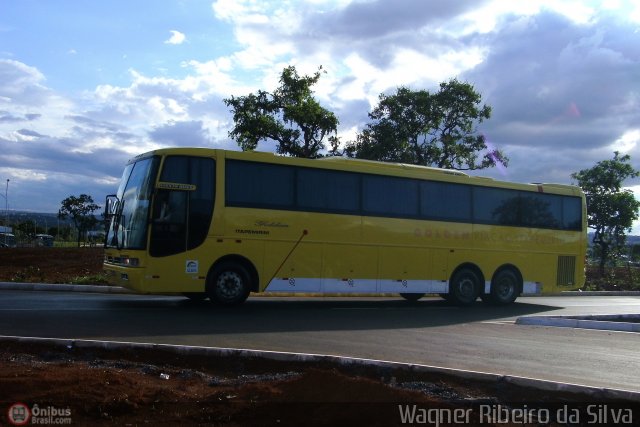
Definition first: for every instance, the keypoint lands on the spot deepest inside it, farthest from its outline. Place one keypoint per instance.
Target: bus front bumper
(131, 278)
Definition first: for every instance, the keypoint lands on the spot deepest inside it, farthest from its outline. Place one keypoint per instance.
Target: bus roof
(380, 164)
(368, 166)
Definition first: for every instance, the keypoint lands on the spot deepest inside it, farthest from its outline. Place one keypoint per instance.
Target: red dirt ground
(120, 388)
(151, 387)
(49, 265)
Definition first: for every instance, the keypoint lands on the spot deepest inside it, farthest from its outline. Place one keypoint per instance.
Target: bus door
(181, 216)
(169, 221)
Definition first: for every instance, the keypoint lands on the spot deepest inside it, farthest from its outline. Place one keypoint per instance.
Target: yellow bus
(219, 224)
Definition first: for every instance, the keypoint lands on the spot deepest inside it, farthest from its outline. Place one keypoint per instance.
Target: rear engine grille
(566, 270)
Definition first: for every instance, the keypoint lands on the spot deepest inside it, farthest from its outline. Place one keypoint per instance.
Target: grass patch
(93, 279)
(31, 273)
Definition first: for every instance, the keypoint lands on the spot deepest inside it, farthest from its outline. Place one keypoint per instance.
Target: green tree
(80, 209)
(64, 233)
(290, 115)
(27, 229)
(611, 210)
(429, 129)
(635, 252)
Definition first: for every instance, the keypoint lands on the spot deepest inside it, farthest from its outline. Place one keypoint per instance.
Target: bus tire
(228, 284)
(411, 297)
(196, 296)
(464, 287)
(505, 287)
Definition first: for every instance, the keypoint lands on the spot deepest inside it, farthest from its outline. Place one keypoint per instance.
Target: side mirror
(111, 206)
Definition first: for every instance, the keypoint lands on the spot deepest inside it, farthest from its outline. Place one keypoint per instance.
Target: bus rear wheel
(464, 287)
(505, 288)
(411, 297)
(229, 284)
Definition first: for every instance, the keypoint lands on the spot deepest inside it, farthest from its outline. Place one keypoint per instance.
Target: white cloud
(186, 133)
(176, 38)
(488, 16)
(20, 82)
(242, 11)
(635, 14)
(27, 175)
(627, 142)
(25, 98)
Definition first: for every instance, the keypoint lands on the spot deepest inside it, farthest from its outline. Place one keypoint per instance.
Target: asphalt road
(479, 338)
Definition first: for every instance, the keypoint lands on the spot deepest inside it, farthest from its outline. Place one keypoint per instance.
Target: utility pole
(6, 210)
(6, 205)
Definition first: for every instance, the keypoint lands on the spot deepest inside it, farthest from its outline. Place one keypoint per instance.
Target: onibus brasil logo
(20, 414)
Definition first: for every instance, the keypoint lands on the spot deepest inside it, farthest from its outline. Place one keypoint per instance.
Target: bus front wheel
(464, 287)
(229, 284)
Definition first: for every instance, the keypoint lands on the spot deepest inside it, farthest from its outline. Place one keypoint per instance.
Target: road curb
(598, 293)
(613, 322)
(595, 393)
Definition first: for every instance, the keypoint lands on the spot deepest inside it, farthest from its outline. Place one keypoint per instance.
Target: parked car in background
(44, 240)
(7, 240)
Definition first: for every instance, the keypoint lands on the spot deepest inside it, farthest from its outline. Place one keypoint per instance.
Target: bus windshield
(128, 226)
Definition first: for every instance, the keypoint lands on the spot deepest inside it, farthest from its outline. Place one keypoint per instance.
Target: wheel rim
(505, 288)
(466, 288)
(229, 285)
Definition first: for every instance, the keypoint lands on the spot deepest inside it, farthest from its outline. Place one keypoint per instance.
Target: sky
(85, 86)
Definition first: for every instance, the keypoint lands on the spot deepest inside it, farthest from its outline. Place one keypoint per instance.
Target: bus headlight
(131, 262)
